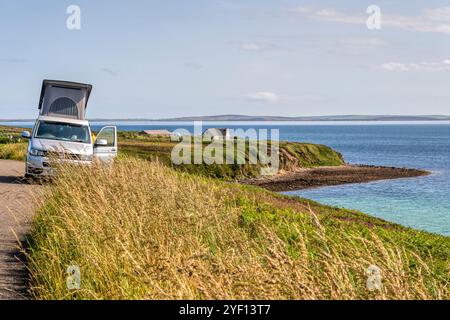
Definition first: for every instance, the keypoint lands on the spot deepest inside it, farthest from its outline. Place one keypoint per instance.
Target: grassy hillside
(292, 155)
(141, 230)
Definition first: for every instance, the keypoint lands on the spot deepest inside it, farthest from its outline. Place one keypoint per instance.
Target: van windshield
(63, 132)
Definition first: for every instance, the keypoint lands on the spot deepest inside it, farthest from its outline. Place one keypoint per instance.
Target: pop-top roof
(64, 99)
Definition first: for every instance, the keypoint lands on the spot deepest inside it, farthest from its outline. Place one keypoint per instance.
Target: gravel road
(15, 216)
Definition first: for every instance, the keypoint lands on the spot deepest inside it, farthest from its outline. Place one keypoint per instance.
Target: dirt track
(15, 217)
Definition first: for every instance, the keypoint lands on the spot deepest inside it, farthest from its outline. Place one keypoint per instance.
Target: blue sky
(157, 59)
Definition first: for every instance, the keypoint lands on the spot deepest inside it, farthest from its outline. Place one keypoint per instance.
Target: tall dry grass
(13, 151)
(139, 230)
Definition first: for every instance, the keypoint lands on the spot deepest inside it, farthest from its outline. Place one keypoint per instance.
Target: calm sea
(422, 203)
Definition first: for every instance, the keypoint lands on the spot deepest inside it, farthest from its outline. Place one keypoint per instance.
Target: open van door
(105, 145)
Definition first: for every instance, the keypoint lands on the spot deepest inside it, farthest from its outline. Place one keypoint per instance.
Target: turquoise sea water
(422, 203)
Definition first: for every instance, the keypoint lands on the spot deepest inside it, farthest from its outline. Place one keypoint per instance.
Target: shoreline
(331, 176)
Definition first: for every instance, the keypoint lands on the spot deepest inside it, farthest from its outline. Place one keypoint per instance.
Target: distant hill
(232, 117)
(314, 118)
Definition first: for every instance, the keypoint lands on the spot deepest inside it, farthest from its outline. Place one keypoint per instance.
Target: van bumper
(41, 166)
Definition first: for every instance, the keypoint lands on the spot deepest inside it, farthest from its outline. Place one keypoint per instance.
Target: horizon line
(350, 117)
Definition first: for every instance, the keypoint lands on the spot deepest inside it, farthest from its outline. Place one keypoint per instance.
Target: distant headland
(232, 117)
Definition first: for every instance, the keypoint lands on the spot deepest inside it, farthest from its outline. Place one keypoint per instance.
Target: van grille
(63, 155)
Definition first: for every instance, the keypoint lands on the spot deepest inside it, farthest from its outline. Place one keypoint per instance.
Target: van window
(64, 107)
(63, 132)
(107, 134)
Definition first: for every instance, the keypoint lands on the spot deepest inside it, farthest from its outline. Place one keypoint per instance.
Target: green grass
(12, 146)
(309, 155)
(13, 151)
(292, 156)
(146, 231)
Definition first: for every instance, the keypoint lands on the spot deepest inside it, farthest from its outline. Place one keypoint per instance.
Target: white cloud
(329, 14)
(362, 41)
(416, 23)
(337, 16)
(431, 20)
(395, 66)
(439, 14)
(302, 9)
(417, 66)
(271, 97)
(262, 96)
(251, 46)
(257, 46)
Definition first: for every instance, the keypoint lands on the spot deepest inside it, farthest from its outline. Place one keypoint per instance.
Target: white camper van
(62, 132)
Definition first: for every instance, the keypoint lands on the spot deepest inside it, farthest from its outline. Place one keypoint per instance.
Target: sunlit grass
(13, 151)
(140, 230)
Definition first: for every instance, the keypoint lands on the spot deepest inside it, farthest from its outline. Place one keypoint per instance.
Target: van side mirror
(101, 142)
(26, 135)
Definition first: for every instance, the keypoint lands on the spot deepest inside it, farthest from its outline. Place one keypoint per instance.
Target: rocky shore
(330, 176)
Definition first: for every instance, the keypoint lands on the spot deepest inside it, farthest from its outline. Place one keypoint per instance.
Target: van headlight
(37, 153)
